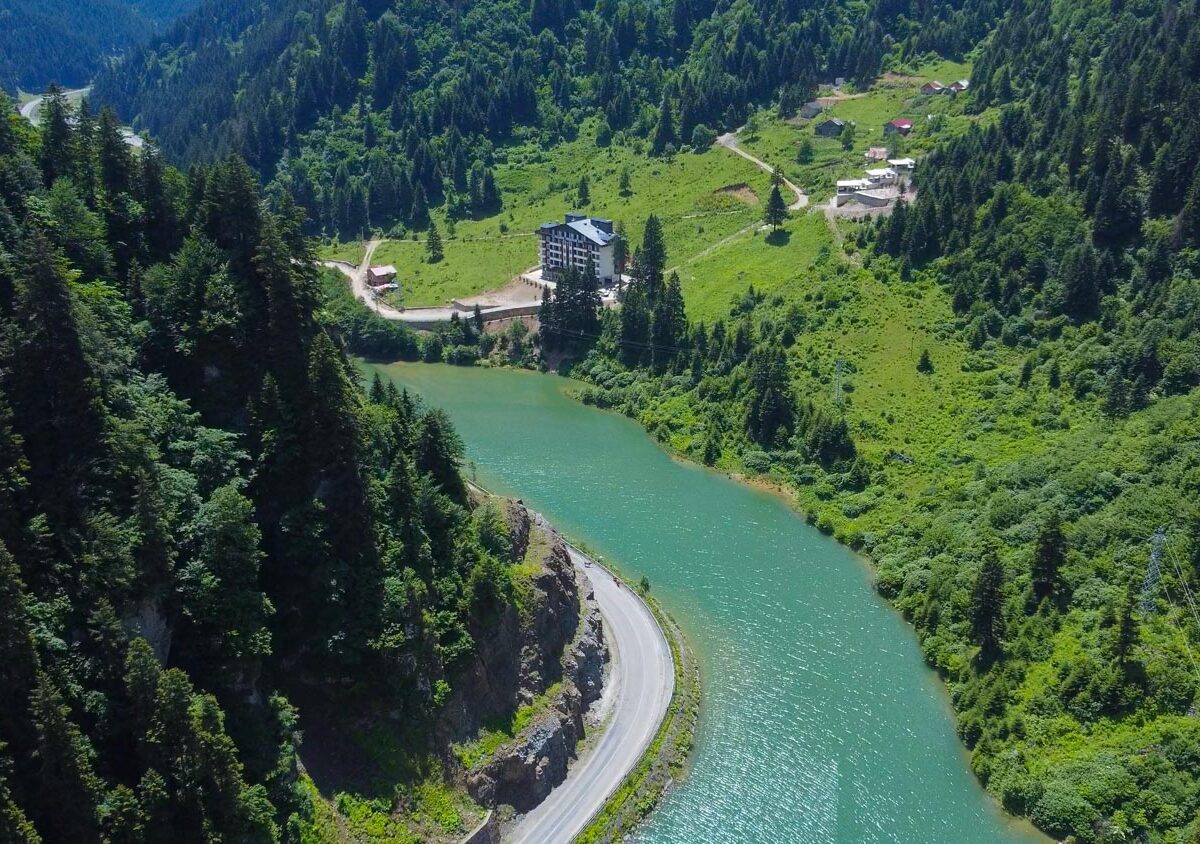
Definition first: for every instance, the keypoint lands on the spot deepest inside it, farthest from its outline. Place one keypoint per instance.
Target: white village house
(847, 189)
(882, 176)
(575, 242)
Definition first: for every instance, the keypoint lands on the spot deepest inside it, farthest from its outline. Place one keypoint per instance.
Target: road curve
(416, 317)
(358, 285)
(29, 110)
(644, 677)
(729, 141)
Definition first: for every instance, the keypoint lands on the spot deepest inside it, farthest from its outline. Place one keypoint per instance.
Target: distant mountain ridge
(67, 41)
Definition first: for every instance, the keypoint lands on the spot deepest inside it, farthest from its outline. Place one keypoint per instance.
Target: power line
(1187, 592)
(1155, 557)
(1153, 571)
(1184, 636)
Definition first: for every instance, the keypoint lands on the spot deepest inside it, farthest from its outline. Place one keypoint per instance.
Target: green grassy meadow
(542, 185)
(776, 263)
(686, 193)
(968, 411)
(471, 266)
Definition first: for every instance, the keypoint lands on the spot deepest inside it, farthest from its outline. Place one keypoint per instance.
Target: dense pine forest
(371, 113)
(200, 511)
(67, 42)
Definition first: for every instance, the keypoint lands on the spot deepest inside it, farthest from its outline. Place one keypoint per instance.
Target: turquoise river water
(820, 721)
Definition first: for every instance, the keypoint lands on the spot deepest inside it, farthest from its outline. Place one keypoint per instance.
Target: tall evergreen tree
(433, 244)
(776, 212)
(635, 321)
(987, 605)
(68, 788)
(653, 254)
(1049, 555)
(664, 131)
(770, 409)
(56, 148)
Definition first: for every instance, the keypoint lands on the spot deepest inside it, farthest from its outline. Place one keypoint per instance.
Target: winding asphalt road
(644, 678)
(30, 112)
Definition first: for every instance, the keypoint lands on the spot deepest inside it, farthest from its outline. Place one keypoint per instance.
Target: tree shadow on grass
(350, 745)
(779, 237)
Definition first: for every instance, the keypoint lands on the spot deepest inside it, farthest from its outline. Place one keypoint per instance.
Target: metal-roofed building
(381, 275)
(575, 242)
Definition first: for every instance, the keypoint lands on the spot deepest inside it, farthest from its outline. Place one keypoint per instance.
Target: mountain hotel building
(576, 241)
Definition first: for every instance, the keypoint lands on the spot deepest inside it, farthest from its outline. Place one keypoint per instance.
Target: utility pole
(1153, 571)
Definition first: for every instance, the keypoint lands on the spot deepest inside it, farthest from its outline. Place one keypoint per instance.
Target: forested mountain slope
(371, 112)
(66, 41)
(199, 510)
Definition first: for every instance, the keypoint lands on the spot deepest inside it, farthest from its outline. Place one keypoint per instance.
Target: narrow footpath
(730, 142)
(643, 675)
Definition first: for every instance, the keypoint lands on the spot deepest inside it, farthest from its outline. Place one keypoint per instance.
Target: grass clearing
(531, 566)
(772, 263)
(351, 253)
(410, 800)
(689, 192)
(470, 267)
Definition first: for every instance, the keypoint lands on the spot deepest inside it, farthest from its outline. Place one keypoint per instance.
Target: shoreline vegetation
(665, 762)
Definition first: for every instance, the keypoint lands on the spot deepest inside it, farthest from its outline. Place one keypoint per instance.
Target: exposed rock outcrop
(584, 664)
(553, 625)
(524, 772)
(557, 637)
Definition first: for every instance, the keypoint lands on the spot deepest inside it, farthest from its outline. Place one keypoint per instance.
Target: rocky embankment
(554, 640)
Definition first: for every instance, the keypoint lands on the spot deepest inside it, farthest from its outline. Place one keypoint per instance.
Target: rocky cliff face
(558, 636)
(524, 772)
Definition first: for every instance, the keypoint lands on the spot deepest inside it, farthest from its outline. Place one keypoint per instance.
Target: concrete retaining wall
(509, 311)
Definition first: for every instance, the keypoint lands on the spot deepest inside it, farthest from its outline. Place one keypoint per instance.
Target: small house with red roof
(899, 126)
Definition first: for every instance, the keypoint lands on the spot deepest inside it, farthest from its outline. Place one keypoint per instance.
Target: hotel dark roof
(598, 231)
